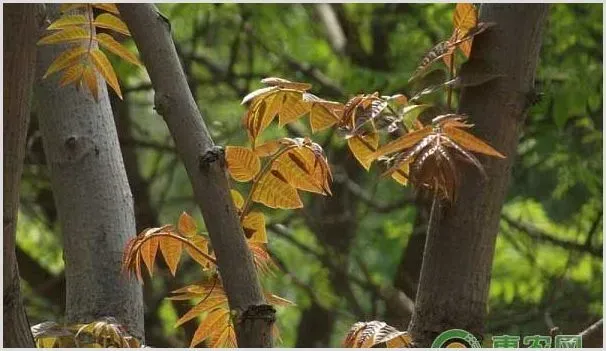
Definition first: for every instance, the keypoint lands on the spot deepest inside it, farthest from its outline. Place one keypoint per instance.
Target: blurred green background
(335, 253)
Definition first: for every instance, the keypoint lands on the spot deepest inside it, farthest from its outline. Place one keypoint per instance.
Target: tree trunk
(21, 25)
(92, 196)
(206, 169)
(455, 275)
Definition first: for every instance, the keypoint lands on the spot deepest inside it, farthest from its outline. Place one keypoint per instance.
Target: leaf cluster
(84, 60)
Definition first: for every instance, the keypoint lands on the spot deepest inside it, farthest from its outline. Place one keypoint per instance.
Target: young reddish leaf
(242, 163)
(261, 257)
(301, 170)
(323, 113)
(107, 7)
(363, 148)
(254, 227)
(403, 142)
(187, 225)
(66, 35)
(66, 59)
(238, 199)
(465, 17)
(68, 21)
(109, 21)
(171, 250)
(106, 41)
(215, 319)
(201, 244)
(470, 142)
(89, 76)
(72, 74)
(268, 149)
(206, 305)
(148, 253)
(292, 108)
(400, 175)
(105, 68)
(273, 191)
(227, 338)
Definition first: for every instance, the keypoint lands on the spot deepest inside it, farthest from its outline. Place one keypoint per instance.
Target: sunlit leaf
(254, 227)
(66, 35)
(237, 197)
(216, 318)
(274, 191)
(323, 113)
(72, 74)
(104, 67)
(242, 163)
(292, 108)
(67, 58)
(109, 21)
(470, 142)
(403, 142)
(89, 76)
(171, 250)
(363, 148)
(148, 253)
(68, 21)
(106, 41)
(268, 149)
(108, 7)
(199, 245)
(187, 225)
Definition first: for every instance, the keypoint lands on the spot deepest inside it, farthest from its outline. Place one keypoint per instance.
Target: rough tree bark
(455, 275)
(21, 22)
(93, 200)
(206, 169)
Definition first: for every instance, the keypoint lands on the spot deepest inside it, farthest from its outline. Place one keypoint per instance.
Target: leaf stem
(266, 168)
(185, 241)
(451, 77)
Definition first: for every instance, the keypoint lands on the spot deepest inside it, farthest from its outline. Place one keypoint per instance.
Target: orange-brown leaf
(215, 319)
(470, 142)
(207, 305)
(201, 244)
(148, 249)
(363, 148)
(68, 21)
(242, 163)
(106, 41)
(187, 225)
(109, 21)
(292, 108)
(68, 58)
(104, 67)
(465, 17)
(268, 149)
(171, 250)
(89, 76)
(403, 142)
(237, 197)
(66, 35)
(301, 170)
(254, 227)
(72, 74)
(108, 7)
(323, 113)
(273, 191)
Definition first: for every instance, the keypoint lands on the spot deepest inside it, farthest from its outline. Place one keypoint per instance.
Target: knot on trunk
(212, 155)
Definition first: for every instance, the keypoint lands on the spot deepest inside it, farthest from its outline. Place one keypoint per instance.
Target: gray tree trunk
(94, 202)
(206, 169)
(20, 35)
(455, 275)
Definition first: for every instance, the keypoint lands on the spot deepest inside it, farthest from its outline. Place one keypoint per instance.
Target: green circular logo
(456, 338)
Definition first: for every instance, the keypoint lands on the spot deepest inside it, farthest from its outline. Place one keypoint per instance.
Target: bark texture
(92, 196)
(20, 35)
(455, 275)
(206, 169)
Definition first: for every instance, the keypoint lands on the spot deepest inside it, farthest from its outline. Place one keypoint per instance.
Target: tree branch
(205, 166)
(539, 235)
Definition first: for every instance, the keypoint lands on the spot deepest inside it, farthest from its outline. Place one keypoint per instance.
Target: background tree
(19, 59)
(547, 268)
(92, 195)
